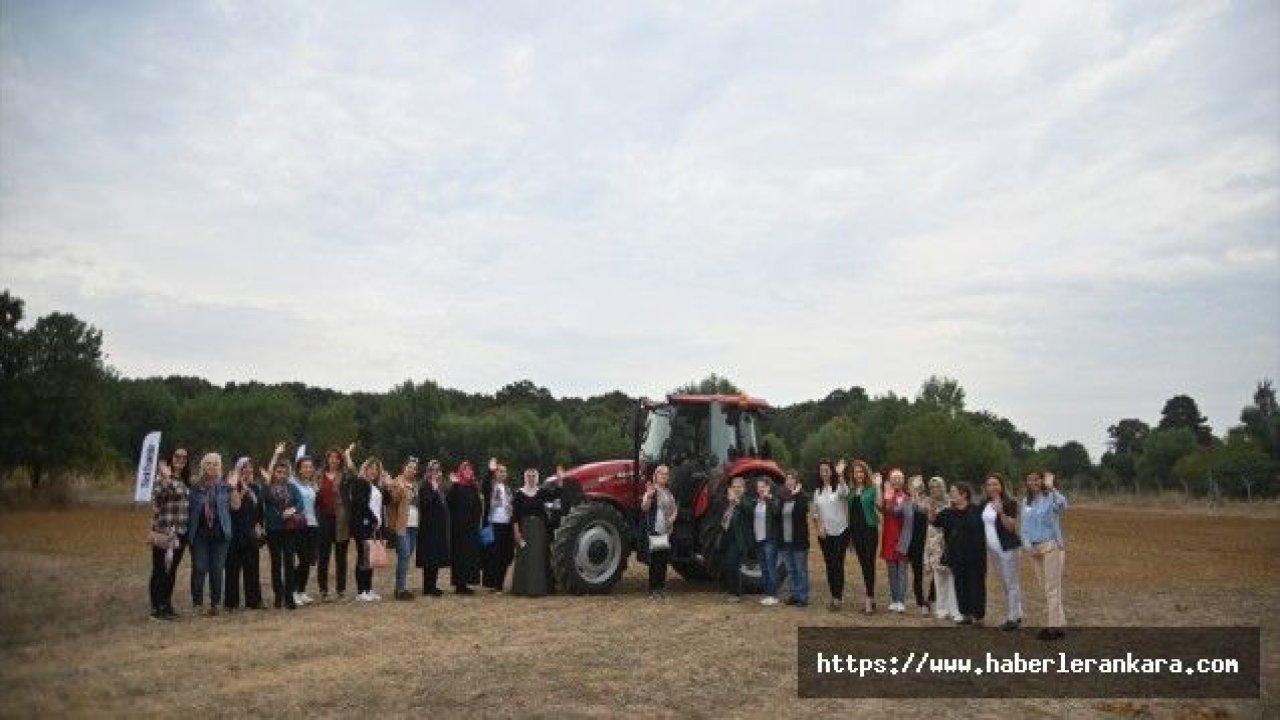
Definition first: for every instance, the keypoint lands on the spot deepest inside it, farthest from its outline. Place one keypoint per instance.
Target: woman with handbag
(246, 536)
(284, 521)
(498, 554)
(171, 512)
(529, 513)
(366, 504)
(465, 513)
(660, 511)
(209, 526)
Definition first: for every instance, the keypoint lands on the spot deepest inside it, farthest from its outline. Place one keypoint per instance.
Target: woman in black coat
(433, 533)
(465, 510)
(966, 551)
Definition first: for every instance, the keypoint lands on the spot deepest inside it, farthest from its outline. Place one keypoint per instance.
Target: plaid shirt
(172, 507)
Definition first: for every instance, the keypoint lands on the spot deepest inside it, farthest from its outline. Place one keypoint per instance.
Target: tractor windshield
(736, 433)
(675, 434)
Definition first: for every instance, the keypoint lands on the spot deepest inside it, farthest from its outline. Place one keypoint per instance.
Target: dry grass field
(75, 638)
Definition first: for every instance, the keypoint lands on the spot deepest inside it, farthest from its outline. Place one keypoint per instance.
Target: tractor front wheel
(589, 553)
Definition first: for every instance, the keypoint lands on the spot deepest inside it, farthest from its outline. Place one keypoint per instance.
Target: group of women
(943, 535)
(308, 515)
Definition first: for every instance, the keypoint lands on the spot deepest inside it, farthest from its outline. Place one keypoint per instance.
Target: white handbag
(659, 542)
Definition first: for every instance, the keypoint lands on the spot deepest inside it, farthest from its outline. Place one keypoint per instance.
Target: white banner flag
(147, 460)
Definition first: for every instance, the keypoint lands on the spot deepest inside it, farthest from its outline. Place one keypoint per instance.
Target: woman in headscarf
(433, 531)
(529, 522)
(465, 511)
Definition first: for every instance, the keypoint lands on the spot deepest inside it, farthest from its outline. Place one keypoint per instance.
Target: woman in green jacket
(864, 526)
(735, 540)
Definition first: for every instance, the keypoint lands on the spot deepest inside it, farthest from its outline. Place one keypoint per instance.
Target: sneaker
(924, 611)
(769, 601)
(957, 618)
(791, 601)
(304, 599)
(374, 597)
(404, 595)
(940, 615)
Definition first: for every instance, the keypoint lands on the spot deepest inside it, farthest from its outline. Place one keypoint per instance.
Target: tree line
(63, 410)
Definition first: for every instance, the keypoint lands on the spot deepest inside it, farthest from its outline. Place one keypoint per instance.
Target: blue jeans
(797, 562)
(767, 551)
(208, 558)
(898, 581)
(404, 550)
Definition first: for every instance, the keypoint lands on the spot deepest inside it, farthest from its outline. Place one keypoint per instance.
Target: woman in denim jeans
(895, 539)
(209, 528)
(762, 512)
(400, 495)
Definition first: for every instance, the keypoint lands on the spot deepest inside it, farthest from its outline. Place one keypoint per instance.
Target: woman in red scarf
(465, 510)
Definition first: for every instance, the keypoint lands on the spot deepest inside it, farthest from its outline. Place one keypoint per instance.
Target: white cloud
(1054, 202)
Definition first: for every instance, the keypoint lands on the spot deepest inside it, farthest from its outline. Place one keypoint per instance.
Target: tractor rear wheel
(589, 553)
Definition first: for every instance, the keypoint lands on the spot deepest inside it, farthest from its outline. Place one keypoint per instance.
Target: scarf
(465, 475)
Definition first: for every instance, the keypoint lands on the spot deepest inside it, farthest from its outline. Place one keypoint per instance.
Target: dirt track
(75, 638)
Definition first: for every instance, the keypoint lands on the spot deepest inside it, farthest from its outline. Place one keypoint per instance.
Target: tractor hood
(607, 480)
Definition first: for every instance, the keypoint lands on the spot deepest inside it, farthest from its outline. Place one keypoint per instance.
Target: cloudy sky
(1073, 208)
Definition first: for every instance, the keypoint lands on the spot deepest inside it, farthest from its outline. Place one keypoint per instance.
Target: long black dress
(433, 535)
(465, 508)
(530, 577)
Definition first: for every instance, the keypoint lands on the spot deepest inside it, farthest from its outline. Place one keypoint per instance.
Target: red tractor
(705, 440)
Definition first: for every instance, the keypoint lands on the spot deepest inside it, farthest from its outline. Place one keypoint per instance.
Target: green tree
(712, 384)
(1261, 420)
(942, 394)
(776, 449)
(408, 421)
(936, 443)
(136, 407)
(332, 425)
(837, 438)
(1161, 451)
(1127, 438)
(245, 423)
(1181, 411)
(1073, 461)
(57, 418)
(881, 418)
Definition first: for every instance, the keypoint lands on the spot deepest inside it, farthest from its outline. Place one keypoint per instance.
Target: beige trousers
(1049, 560)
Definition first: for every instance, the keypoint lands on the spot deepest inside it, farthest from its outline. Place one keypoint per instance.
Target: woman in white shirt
(497, 557)
(831, 520)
